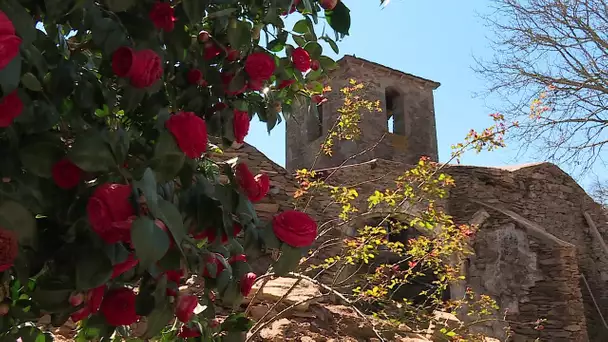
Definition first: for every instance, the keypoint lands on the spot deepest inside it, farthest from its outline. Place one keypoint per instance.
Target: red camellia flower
(147, 69)
(203, 36)
(259, 66)
(264, 182)
(190, 133)
(295, 228)
(163, 16)
(233, 55)
(92, 303)
(184, 310)
(110, 211)
(211, 51)
(124, 266)
(122, 61)
(240, 124)
(187, 332)
(315, 65)
(142, 67)
(237, 258)
(11, 107)
(301, 59)
(175, 275)
(9, 248)
(247, 283)
(118, 307)
(9, 42)
(195, 76)
(286, 83)
(254, 187)
(66, 174)
(329, 4)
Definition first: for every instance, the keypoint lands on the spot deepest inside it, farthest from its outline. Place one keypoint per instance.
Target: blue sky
(431, 39)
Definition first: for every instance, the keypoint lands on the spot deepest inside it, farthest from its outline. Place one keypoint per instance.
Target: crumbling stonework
(535, 253)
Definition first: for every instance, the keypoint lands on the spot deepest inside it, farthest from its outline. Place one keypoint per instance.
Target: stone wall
(418, 120)
(531, 277)
(548, 197)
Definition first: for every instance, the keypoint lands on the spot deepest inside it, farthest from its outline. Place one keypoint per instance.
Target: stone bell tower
(404, 130)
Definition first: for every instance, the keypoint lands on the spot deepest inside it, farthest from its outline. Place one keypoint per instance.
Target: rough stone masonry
(540, 251)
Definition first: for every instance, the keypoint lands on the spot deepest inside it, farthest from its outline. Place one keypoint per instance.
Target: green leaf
(158, 320)
(150, 242)
(339, 18)
(31, 82)
(288, 261)
(34, 57)
(332, 44)
(223, 279)
(10, 76)
(147, 184)
(118, 140)
(270, 240)
(56, 9)
(39, 157)
(327, 63)
(15, 217)
(245, 211)
(21, 19)
(302, 26)
(168, 158)
(299, 40)
(275, 45)
(91, 153)
(38, 117)
(195, 9)
(132, 98)
(173, 219)
(237, 322)
(239, 34)
(119, 5)
(314, 49)
(231, 296)
(237, 82)
(93, 269)
(233, 336)
(29, 334)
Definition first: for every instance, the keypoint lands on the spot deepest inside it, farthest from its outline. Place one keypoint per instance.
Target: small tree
(359, 275)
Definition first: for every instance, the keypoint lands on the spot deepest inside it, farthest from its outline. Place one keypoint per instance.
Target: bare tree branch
(555, 51)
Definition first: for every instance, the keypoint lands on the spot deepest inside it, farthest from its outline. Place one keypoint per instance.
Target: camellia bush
(109, 199)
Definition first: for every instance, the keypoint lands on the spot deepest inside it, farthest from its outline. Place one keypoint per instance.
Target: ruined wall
(416, 100)
(545, 195)
(530, 279)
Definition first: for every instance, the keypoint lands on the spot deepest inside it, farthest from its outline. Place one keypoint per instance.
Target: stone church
(540, 251)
